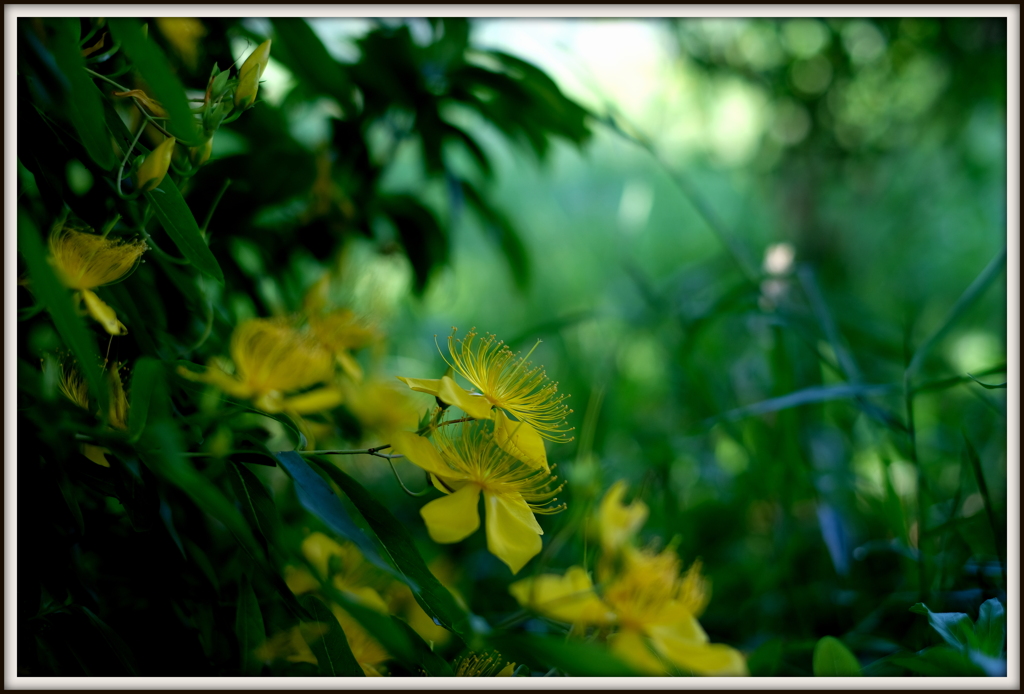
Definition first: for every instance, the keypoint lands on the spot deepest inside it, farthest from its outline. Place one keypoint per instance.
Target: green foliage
(833, 659)
(825, 429)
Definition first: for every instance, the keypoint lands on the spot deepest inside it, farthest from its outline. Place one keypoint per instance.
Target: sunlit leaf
(833, 659)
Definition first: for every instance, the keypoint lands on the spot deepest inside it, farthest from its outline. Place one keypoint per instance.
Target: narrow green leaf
(257, 506)
(966, 300)
(146, 376)
(433, 597)
(177, 220)
(249, 628)
(333, 655)
(955, 628)
(575, 658)
(991, 628)
(989, 386)
(152, 64)
(833, 659)
(84, 106)
(57, 299)
(806, 396)
(380, 626)
(318, 498)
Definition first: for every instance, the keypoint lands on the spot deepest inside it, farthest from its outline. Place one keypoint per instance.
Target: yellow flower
(483, 665)
(84, 261)
(272, 359)
(382, 408)
(152, 105)
(618, 523)
(184, 34)
(249, 75)
(75, 389)
(355, 577)
(154, 167)
(505, 385)
(468, 465)
(647, 611)
(653, 611)
(340, 331)
(292, 644)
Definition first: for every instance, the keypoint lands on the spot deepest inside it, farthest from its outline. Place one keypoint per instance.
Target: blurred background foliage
(765, 257)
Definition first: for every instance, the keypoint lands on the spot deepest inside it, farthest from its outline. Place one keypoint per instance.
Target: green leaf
(319, 499)
(249, 628)
(152, 65)
(160, 450)
(421, 235)
(333, 655)
(433, 597)
(432, 664)
(955, 628)
(765, 659)
(394, 639)
(805, 396)
(988, 386)
(940, 661)
(84, 106)
(966, 300)
(256, 503)
(833, 659)
(57, 300)
(991, 628)
(177, 220)
(575, 658)
(504, 233)
(306, 55)
(147, 376)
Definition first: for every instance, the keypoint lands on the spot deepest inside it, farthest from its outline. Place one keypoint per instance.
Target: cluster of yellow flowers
(492, 455)
(641, 606)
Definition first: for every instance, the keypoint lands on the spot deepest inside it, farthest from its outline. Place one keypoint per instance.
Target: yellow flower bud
(249, 75)
(155, 166)
(201, 154)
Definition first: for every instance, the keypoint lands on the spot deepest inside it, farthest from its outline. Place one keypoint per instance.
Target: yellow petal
(421, 452)
(617, 522)
(299, 580)
(454, 517)
(507, 670)
(314, 401)
(569, 598)
(95, 454)
(513, 534)
(712, 659)
(683, 627)
(520, 440)
(103, 314)
(476, 406)
(349, 365)
(423, 385)
(635, 651)
(219, 379)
